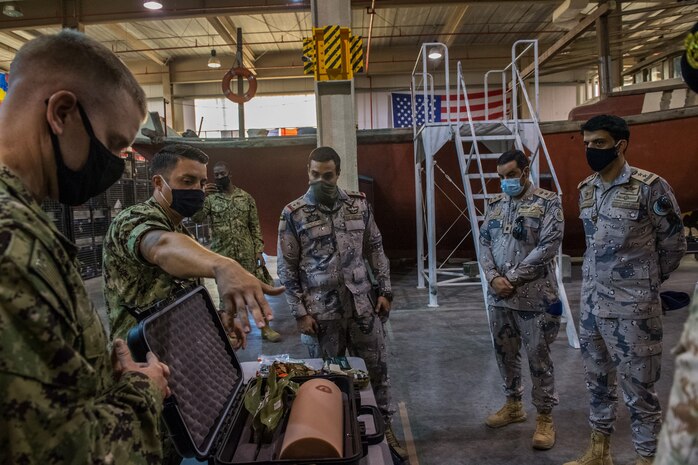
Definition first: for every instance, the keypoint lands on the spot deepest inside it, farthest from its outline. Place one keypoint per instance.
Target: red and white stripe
(477, 106)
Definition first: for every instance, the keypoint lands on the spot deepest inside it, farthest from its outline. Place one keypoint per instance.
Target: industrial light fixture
(12, 10)
(152, 5)
(213, 61)
(435, 54)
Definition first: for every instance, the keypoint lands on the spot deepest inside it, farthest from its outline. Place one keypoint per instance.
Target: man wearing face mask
(235, 230)
(324, 237)
(519, 240)
(149, 255)
(71, 107)
(634, 237)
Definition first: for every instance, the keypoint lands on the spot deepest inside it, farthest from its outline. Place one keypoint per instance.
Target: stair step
(482, 196)
(489, 156)
(485, 175)
(501, 137)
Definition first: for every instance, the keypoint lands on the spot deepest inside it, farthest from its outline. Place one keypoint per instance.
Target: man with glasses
(519, 240)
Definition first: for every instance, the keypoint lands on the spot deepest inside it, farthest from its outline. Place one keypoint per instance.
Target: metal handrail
(425, 89)
(461, 83)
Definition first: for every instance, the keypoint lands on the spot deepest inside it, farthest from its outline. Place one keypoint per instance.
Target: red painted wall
(277, 175)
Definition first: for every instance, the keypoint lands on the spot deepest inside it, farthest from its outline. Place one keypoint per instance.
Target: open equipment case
(205, 415)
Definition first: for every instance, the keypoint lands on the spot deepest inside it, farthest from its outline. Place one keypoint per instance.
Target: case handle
(377, 437)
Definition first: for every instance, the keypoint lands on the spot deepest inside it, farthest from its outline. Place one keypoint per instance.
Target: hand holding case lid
(205, 416)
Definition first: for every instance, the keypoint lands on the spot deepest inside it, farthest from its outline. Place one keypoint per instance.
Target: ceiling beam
(135, 43)
(248, 57)
(453, 26)
(568, 38)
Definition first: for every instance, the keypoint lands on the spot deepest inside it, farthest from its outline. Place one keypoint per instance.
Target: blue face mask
(512, 187)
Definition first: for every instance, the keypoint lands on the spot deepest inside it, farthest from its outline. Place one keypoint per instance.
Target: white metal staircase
(478, 144)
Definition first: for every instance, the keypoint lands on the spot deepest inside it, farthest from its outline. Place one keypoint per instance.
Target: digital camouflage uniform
(519, 240)
(235, 230)
(634, 239)
(678, 440)
(58, 399)
(131, 283)
(321, 262)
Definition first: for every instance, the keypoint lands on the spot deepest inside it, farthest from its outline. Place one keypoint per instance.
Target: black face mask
(186, 202)
(101, 170)
(599, 159)
(223, 183)
(324, 192)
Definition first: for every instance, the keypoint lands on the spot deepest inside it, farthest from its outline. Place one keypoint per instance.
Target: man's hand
(260, 259)
(502, 287)
(382, 307)
(235, 331)
(211, 188)
(157, 371)
(307, 325)
(241, 292)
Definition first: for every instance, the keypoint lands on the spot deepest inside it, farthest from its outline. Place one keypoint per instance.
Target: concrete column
(615, 26)
(335, 99)
(168, 113)
(604, 59)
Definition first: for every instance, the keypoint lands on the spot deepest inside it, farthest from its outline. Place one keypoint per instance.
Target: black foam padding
(202, 374)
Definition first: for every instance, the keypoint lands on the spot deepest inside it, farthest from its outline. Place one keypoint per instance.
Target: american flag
(402, 107)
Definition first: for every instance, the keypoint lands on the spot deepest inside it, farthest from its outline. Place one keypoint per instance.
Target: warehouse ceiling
(177, 39)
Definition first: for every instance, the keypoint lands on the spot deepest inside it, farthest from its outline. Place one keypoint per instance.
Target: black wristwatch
(387, 294)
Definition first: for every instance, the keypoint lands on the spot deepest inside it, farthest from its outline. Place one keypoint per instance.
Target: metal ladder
(471, 137)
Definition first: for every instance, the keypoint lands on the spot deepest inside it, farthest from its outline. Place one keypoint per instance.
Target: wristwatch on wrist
(387, 294)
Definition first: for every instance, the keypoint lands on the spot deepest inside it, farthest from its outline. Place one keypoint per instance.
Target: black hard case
(205, 415)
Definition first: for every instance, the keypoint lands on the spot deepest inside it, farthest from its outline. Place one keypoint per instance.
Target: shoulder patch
(17, 246)
(356, 194)
(495, 198)
(296, 205)
(587, 180)
(545, 194)
(643, 176)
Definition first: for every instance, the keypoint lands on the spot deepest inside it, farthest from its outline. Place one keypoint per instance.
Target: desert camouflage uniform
(519, 240)
(678, 440)
(634, 240)
(235, 230)
(321, 262)
(130, 282)
(58, 399)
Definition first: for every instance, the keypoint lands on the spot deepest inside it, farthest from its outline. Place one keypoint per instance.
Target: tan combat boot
(642, 460)
(511, 412)
(270, 335)
(598, 453)
(544, 437)
(395, 444)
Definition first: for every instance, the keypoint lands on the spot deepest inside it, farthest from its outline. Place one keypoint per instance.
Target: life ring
(251, 80)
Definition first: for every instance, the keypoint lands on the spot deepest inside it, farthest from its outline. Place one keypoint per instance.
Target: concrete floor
(445, 379)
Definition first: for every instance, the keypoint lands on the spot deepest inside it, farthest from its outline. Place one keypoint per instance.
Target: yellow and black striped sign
(332, 47)
(309, 57)
(356, 51)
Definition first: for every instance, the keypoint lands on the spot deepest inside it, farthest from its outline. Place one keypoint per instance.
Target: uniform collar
(623, 178)
(19, 191)
(152, 201)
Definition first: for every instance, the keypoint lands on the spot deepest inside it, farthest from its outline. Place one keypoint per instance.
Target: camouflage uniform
(634, 240)
(235, 230)
(58, 399)
(130, 282)
(519, 240)
(321, 262)
(678, 440)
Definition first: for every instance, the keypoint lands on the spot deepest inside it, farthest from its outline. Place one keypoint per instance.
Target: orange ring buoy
(251, 80)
